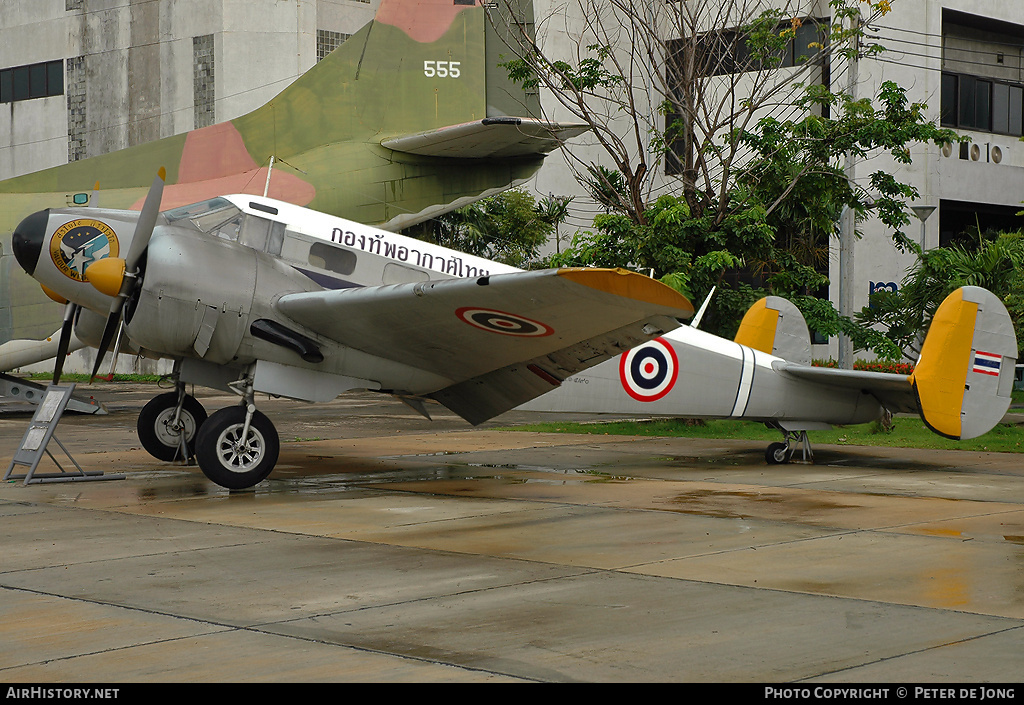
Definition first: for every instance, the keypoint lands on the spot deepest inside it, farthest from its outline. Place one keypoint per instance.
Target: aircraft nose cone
(28, 239)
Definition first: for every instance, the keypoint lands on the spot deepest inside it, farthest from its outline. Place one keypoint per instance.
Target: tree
(510, 227)
(663, 84)
(726, 108)
(995, 264)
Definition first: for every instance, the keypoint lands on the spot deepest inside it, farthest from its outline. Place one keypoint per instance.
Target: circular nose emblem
(79, 243)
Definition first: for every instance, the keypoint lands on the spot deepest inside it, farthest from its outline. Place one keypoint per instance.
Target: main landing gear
(780, 453)
(169, 423)
(236, 447)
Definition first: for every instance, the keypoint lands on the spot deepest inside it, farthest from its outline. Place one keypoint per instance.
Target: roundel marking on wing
(504, 323)
(648, 372)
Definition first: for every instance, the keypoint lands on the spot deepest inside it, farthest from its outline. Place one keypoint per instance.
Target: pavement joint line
(230, 628)
(911, 652)
(263, 628)
(579, 571)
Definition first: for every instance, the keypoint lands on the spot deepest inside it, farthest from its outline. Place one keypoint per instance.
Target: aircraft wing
(497, 137)
(500, 340)
(894, 392)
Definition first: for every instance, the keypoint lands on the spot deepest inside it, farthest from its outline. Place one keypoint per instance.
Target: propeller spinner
(118, 277)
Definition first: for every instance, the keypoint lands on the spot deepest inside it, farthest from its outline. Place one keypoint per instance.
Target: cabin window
(332, 258)
(229, 230)
(255, 232)
(276, 240)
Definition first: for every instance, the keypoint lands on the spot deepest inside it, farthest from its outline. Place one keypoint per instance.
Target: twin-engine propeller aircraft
(250, 294)
(961, 385)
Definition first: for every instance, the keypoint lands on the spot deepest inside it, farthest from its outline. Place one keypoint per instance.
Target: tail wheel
(777, 454)
(232, 460)
(158, 432)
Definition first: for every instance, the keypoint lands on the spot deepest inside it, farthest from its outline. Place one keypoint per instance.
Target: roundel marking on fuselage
(649, 371)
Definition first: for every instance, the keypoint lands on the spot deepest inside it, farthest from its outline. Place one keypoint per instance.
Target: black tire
(161, 440)
(229, 463)
(777, 454)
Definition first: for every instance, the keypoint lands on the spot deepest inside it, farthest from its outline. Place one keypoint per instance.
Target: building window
(32, 81)
(982, 104)
(726, 51)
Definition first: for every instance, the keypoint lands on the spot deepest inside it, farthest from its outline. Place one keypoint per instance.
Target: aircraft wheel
(777, 454)
(158, 434)
(230, 460)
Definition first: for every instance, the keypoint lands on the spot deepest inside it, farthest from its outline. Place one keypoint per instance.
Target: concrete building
(139, 70)
(84, 77)
(965, 60)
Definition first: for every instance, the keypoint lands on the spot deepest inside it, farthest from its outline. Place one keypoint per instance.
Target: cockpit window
(207, 216)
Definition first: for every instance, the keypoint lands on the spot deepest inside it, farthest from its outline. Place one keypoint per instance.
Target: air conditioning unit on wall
(987, 152)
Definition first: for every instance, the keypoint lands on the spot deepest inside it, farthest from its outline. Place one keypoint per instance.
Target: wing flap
(495, 138)
(513, 336)
(496, 392)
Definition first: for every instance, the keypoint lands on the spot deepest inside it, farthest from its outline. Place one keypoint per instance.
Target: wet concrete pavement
(389, 548)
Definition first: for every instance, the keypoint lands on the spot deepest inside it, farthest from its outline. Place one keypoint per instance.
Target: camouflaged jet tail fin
(965, 373)
(775, 326)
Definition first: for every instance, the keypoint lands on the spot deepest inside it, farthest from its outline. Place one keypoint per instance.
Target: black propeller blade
(129, 277)
(70, 311)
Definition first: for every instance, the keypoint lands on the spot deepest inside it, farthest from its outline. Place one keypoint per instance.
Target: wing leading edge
(500, 340)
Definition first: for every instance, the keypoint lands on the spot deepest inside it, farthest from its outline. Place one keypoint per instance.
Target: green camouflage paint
(420, 65)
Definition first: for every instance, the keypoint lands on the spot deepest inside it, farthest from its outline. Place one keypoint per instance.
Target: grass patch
(906, 432)
(80, 378)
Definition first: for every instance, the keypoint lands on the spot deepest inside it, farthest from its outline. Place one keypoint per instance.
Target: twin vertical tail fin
(775, 325)
(964, 377)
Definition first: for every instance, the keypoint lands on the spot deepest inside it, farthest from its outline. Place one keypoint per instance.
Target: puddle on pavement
(737, 505)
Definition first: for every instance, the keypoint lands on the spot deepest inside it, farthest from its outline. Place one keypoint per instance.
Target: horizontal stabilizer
(964, 377)
(893, 391)
(494, 138)
(962, 382)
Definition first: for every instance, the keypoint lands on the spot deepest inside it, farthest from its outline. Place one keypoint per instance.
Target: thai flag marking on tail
(987, 363)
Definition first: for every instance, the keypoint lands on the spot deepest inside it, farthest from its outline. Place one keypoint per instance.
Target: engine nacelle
(198, 299)
(166, 315)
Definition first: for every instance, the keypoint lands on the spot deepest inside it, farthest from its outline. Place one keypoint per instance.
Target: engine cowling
(195, 299)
